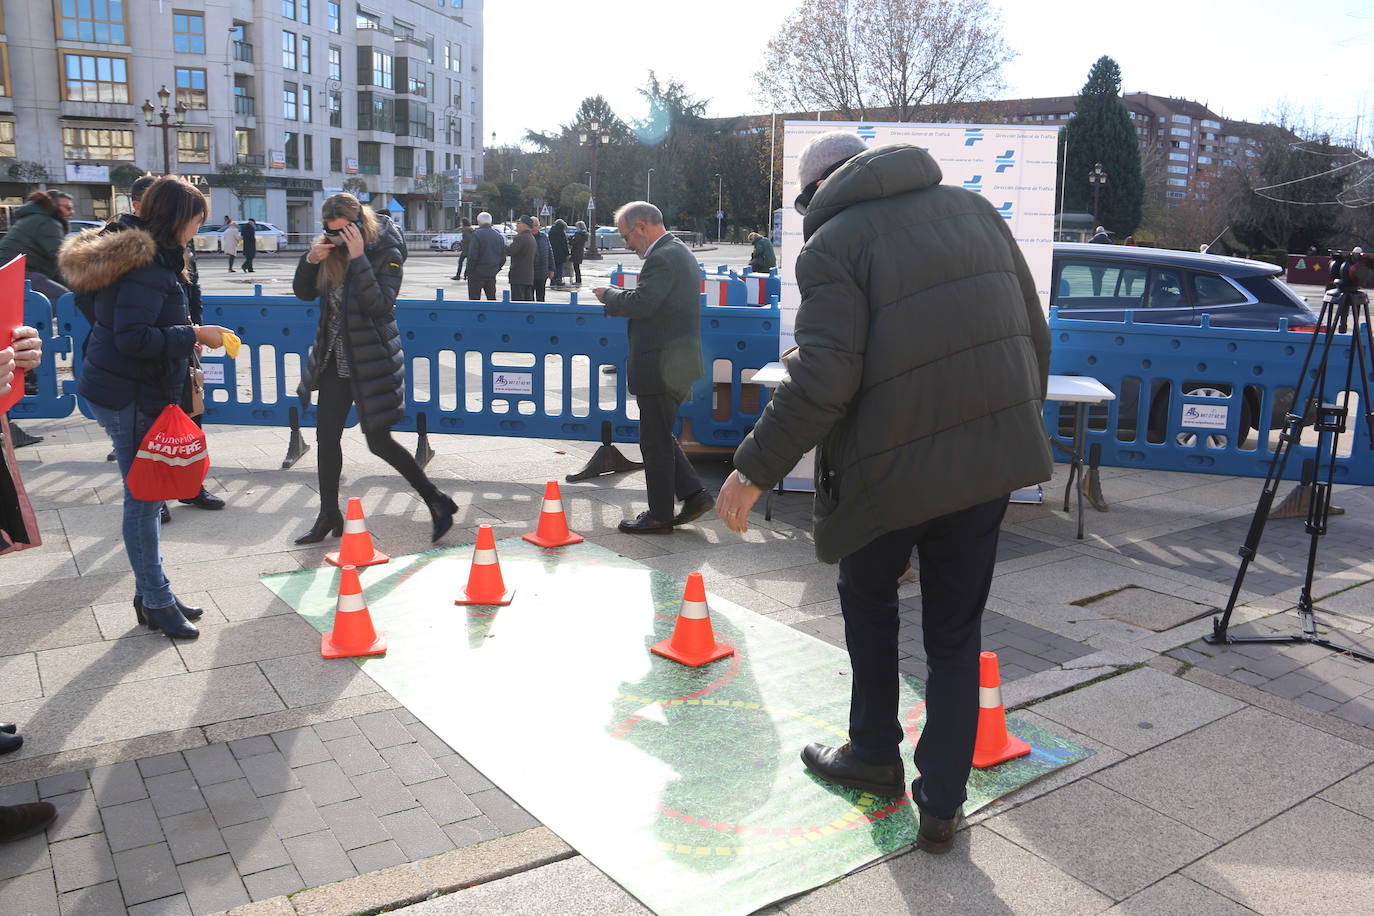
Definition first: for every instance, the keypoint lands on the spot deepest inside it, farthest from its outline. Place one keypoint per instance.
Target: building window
(1181, 119)
(191, 88)
(291, 143)
(335, 108)
(1179, 157)
(376, 112)
(1178, 182)
(335, 63)
(303, 12)
(366, 20)
(331, 9)
(288, 9)
(98, 21)
(7, 139)
(188, 33)
(306, 98)
(305, 54)
(335, 154)
(381, 69)
(90, 78)
(404, 158)
(289, 102)
(97, 143)
(1204, 160)
(288, 50)
(413, 119)
(4, 70)
(1179, 169)
(1175, 195)
(370, 158)
(193, 146)
(308, 152)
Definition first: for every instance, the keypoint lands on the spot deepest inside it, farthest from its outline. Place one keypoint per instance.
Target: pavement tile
(255, 847)
(99, 664)
(193, 835)
(246, 641)
(384, 792)
(354, 823)
(411, 763)
(593, 891)
(1359, 710)
(131, 825)
(251, 747)
(175, 905)
(467, 777)
(383, 729)
(233, 802)
(147, 873)
(325, 782)
(1065, 829)
(503, 811)
(1354, 793)
(269, 774)
(444, 801)
(356, 755)
(377, 856)
(62, 783)
(306, 679)
(319, 858)
(1313, 858)
(212, 885)
(339, 728)
(19, 793)
(174, 793)
(472, 830)
(1178, 895)
(117, 783)
(301, 747)
(77, 815)
(30, 895)
(161, 764)
(1230, 775)
(212, 764)
(274, 882)
(81, 862)
(292, 813)
(99, 900)
(416, 833)
(19, 678)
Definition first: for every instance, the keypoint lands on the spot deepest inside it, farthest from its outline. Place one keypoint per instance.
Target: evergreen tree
(1101, 131)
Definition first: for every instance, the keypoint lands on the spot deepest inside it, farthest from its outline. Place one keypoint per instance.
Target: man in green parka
(920, 372)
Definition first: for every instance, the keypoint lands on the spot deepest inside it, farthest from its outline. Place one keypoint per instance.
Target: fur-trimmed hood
(94, 259)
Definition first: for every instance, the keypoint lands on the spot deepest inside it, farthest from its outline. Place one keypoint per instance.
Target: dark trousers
(336, 397)
(231, 262)
(577, 271)
(522, 292)
(957, 553)
(667, 472)
(558, 272)
(248, 255)
(479, 285)
(541, 283)
(461, 259)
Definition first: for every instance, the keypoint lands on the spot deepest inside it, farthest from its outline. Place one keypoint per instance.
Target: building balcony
(245, 105)
(104, 111)
(243, 52)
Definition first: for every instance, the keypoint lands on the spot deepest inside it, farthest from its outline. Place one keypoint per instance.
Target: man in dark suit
(664, 312)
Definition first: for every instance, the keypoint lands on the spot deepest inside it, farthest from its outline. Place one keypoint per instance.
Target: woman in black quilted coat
(355, 270)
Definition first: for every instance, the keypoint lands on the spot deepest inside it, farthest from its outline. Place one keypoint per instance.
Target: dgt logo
(866, 132)
(972, 135)
(1005, 210)
(1006, 161)
(974, 184)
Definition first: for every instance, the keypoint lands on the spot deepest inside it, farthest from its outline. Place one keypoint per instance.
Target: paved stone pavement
(241, 771)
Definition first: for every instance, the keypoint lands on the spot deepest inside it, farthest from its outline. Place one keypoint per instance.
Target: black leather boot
(10, 743)
(169, 620)
(26, 820)
(190, 613)
(328, 524)
(441, 511)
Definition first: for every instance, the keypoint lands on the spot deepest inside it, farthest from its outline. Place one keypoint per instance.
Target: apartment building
(271, 105)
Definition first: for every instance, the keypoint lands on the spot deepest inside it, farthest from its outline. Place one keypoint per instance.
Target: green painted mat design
(682, 784)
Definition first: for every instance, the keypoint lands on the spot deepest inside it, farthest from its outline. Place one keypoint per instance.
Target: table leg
(1080, 438)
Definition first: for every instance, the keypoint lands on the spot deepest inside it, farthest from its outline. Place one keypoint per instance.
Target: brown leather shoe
(936, 835)
(645, 524)
(843, 767)
(694, 507)
(26, 820)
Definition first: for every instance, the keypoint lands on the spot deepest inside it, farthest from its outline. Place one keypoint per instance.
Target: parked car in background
(447, 241)
(609, 237)
(1162, 286)
(270, 238)
(75, 226)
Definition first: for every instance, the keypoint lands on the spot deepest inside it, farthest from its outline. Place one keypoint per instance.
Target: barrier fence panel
(48, 402)
(720, 288)
(1201, 399)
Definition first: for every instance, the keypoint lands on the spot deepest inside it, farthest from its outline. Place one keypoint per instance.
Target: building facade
(271, 105)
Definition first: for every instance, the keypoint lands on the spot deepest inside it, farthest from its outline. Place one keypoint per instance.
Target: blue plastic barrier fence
(720, 288)
(48, 402)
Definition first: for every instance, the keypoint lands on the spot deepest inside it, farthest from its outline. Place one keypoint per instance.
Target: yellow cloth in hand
(231, 344)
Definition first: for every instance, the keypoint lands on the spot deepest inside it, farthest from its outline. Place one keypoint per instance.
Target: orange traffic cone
(553, 523)
(693, 642)
(485, 585)
(994, 745)
(353, 635)
(356, 548)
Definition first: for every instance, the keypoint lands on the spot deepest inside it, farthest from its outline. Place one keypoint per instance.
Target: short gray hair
(484, 218)
(639, 211)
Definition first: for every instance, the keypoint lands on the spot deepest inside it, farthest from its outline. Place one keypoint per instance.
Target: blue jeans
(127, 428)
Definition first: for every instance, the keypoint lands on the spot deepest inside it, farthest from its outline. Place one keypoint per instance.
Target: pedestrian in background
(764, 258)
(229, 241)
(1101, 237)
(558, 241)
(138, 361)
(464, 240)
(36, 232)
(922, 380)
(577, 248)
(543, 260)
(249, 234)
(524, 255)
(355, 270)
(485, 259)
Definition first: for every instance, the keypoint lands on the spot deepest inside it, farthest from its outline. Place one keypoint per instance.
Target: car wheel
(1159, 416)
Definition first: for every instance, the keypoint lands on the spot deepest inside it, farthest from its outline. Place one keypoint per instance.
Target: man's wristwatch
(742, 479)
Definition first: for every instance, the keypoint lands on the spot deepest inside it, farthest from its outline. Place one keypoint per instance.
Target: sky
(1247, 61)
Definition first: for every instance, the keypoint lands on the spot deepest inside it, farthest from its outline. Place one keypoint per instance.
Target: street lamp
(166, 123)
(1097, 178)
(593, 135)
(512, 181)
(720, 204)
(648, 186)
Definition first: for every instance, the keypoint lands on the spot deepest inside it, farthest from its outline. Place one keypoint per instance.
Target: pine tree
(1101, 130)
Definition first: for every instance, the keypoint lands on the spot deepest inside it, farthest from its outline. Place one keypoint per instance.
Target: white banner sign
(100, 174)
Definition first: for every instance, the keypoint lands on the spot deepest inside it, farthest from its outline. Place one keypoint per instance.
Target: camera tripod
(1344, 306)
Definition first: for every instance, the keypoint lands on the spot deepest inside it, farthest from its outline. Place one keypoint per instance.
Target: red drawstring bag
(172, 461)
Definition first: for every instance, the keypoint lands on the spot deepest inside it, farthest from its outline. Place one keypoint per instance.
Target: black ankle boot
(27, 820)
(10, 743)
(169, 620)
(441, 511)
(328, 524)
(190, 613)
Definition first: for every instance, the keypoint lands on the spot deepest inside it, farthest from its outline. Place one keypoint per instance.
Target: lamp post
(1097, 178)
(648, 186)
(720, 204)
(512, 181)
(593, 135)
(167, 123)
